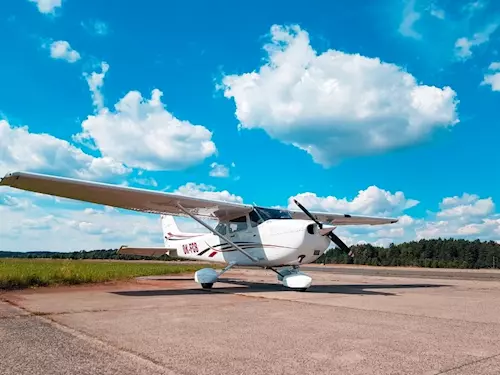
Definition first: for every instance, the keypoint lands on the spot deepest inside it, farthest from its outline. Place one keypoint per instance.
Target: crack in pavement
(467, 364)
(92, 339)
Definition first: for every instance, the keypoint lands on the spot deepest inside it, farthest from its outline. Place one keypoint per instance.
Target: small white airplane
(246, 235)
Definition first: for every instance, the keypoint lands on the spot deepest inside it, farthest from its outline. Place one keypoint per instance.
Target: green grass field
(25, 273)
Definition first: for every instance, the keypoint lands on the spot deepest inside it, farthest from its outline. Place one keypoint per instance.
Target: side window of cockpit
(221, 228)
(255, 219)
(238, 224)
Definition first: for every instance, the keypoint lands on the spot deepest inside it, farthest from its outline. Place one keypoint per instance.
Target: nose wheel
(293, 278)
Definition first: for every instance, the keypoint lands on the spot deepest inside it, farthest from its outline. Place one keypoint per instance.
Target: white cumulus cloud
(218, 170)
(47, 6)
(466, 205)
(467, 216)
(493, 77)
(410, 17)
(335, 104)
(371, 201)
(464, 45)
(95, 81)
(207, 192)
(61, 49)
(15, 203)
(146, 181)
(488, 229)
(40, 152)
(450, 202)
(141, 133)
(92, 227)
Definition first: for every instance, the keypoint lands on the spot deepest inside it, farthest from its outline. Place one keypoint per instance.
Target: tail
(172, 233)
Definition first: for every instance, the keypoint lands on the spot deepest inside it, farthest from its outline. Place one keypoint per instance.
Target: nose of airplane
(312, 228)
(314, 238)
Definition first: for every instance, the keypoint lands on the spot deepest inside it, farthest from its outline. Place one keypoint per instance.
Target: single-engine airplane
(245, 235)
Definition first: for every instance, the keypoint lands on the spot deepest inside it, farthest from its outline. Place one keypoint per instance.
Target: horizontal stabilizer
(145, 251)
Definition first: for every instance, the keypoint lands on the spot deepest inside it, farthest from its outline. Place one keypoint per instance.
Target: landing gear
(208, 276)
(293, 278)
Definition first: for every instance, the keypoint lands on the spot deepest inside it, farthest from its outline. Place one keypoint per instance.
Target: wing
(344, 219)
(123, 196)
(157, 201)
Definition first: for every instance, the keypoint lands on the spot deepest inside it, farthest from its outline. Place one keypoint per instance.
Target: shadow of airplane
(164, 278)
(255, 287)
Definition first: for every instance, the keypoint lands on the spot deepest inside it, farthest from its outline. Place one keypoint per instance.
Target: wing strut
(216, 233)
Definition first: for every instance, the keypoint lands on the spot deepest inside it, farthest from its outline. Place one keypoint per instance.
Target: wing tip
(8, 176)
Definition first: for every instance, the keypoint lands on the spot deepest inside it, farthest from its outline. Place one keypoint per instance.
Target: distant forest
(436, 253)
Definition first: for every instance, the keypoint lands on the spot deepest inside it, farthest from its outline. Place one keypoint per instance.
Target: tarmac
(348, 322)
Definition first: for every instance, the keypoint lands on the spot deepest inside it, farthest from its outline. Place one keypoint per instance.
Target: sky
(383, 108)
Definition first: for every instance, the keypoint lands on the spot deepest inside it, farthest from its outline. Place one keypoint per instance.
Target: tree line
(435, 253)
(81, 254)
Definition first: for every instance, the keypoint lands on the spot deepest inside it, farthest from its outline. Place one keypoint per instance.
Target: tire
(207, 285)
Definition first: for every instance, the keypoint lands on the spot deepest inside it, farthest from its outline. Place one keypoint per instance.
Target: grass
(26, 273)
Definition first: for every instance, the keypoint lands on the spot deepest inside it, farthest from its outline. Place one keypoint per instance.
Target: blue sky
(323, 101)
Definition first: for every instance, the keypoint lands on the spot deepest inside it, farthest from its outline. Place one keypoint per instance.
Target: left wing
(159, 202)
(344, 219)
(125, 197)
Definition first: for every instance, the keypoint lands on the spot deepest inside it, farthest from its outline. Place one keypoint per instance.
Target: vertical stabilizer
(172, 233)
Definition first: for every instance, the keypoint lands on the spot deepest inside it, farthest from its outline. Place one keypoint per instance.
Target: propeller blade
(337, 241)
(308, 214)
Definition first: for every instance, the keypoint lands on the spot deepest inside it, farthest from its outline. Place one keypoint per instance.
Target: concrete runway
(435, 273)
(344, 324)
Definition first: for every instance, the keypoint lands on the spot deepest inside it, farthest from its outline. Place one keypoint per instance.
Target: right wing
(343, 219)
(123, 196)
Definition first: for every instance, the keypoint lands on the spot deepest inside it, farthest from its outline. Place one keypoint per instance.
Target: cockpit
(272, 213)
(255, 217)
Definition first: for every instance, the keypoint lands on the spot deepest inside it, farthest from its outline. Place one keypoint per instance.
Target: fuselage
(273, 243)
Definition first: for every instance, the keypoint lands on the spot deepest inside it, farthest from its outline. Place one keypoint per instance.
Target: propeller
(328, 232)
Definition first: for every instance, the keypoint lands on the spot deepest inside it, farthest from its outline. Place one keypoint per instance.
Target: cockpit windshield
(272, 213)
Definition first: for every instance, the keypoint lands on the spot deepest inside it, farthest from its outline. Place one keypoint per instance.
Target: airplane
(280, 240)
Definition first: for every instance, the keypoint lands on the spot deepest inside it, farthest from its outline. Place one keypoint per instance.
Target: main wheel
(207, 285)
